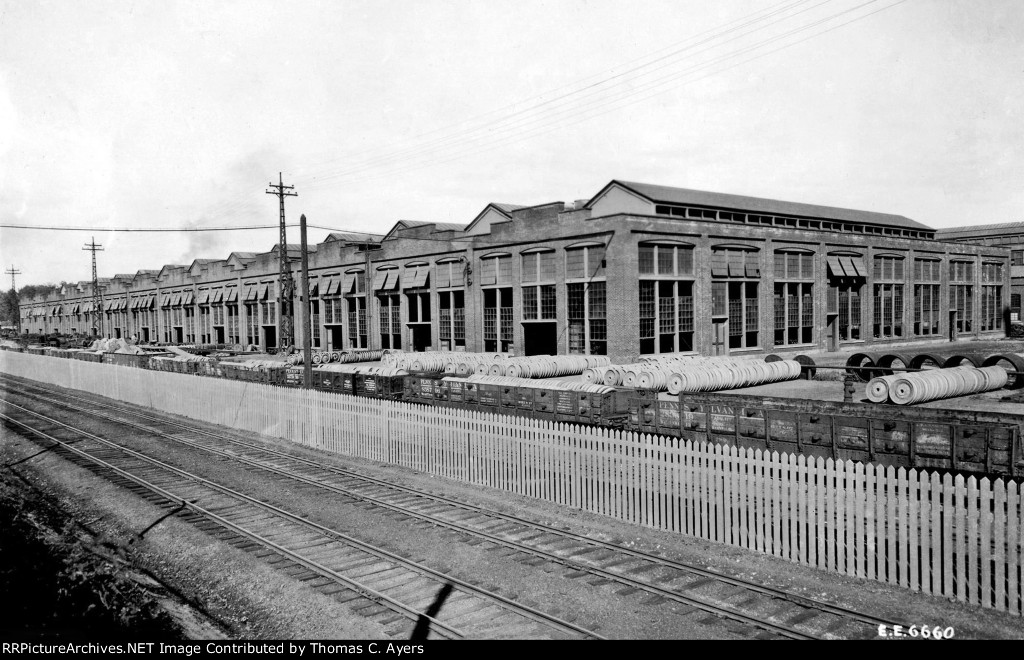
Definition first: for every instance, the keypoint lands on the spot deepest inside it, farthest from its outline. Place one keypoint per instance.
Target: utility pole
(307, 339)
(97, 299)
(17, 310)
(287, 284)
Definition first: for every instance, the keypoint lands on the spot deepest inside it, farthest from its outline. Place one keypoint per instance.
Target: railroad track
(310, 552)
(753, 605)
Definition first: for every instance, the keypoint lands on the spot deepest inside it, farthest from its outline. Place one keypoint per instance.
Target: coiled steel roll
(945, 383)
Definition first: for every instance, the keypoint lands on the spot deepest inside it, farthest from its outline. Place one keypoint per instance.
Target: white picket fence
(955, 537)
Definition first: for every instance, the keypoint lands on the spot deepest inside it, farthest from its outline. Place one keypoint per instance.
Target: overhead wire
(449, 133)
(562, 120)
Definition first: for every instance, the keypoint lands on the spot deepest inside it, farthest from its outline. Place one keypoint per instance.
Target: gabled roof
(501, 208)
(352, 237)
(995, 230)
(743, 203)
(412, 224)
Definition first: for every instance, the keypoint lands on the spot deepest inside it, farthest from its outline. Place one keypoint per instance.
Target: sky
(176, 114)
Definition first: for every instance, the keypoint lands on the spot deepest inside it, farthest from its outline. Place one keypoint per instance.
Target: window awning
(262, 295)
(350, 283)
(187, 298)
(250, 293)
(150, 301)
(204, 297)
(841, 266)
(334, 286)
(77, 309)
(218, 296)
(56, 311)
(233, 294)
(165, 300)
(416, 278)
(313, 288)
(176, 301)
(87, 308)
(391, 283)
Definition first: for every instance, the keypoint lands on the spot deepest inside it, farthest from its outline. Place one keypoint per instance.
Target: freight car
(929, 438)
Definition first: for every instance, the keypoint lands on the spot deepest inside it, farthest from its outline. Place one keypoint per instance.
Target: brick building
(637, 269)
(1008, 235)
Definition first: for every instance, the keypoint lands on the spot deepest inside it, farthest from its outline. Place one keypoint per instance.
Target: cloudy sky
(176, 114)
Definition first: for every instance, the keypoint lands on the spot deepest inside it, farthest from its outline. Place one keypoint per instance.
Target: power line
(455, 131)
(547, 125)
(563, 117)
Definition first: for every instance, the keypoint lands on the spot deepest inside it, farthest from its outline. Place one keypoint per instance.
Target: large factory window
(498, 320)
(961, 295)
(794, 300)
(452, 320)
(846, 277)
(496, 270)
(390, 318)
(991, 297)
(888, 297)
(252, 324)
(735, 276)
(666, 298)
(588, 318)
(233, 334)
(926, 297)
(357, 334)
(540, 306)
(585, 262)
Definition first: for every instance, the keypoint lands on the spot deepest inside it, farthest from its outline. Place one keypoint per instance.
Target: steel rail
(549, 556)
(526, 611)
(681, 566)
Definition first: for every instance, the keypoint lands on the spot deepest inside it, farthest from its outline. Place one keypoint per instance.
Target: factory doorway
(270, 335)
(540, 338)
(179, 336)
(719, 337)
(145, 335)
(419, 336)
(336, 342)
(220, 335)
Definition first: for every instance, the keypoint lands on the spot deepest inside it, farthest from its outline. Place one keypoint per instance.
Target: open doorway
(540, 338)
(270, 333)
(179, 337)
(420, 336)
(336, 342)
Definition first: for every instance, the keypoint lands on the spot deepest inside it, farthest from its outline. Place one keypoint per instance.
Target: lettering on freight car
(564, 403)
(723, 423)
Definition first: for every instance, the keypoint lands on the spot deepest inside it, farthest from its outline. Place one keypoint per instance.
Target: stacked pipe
(921, 386)
(694, 373)
(496, 364)
(347, 356)
(363, 369)
(562, 385)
